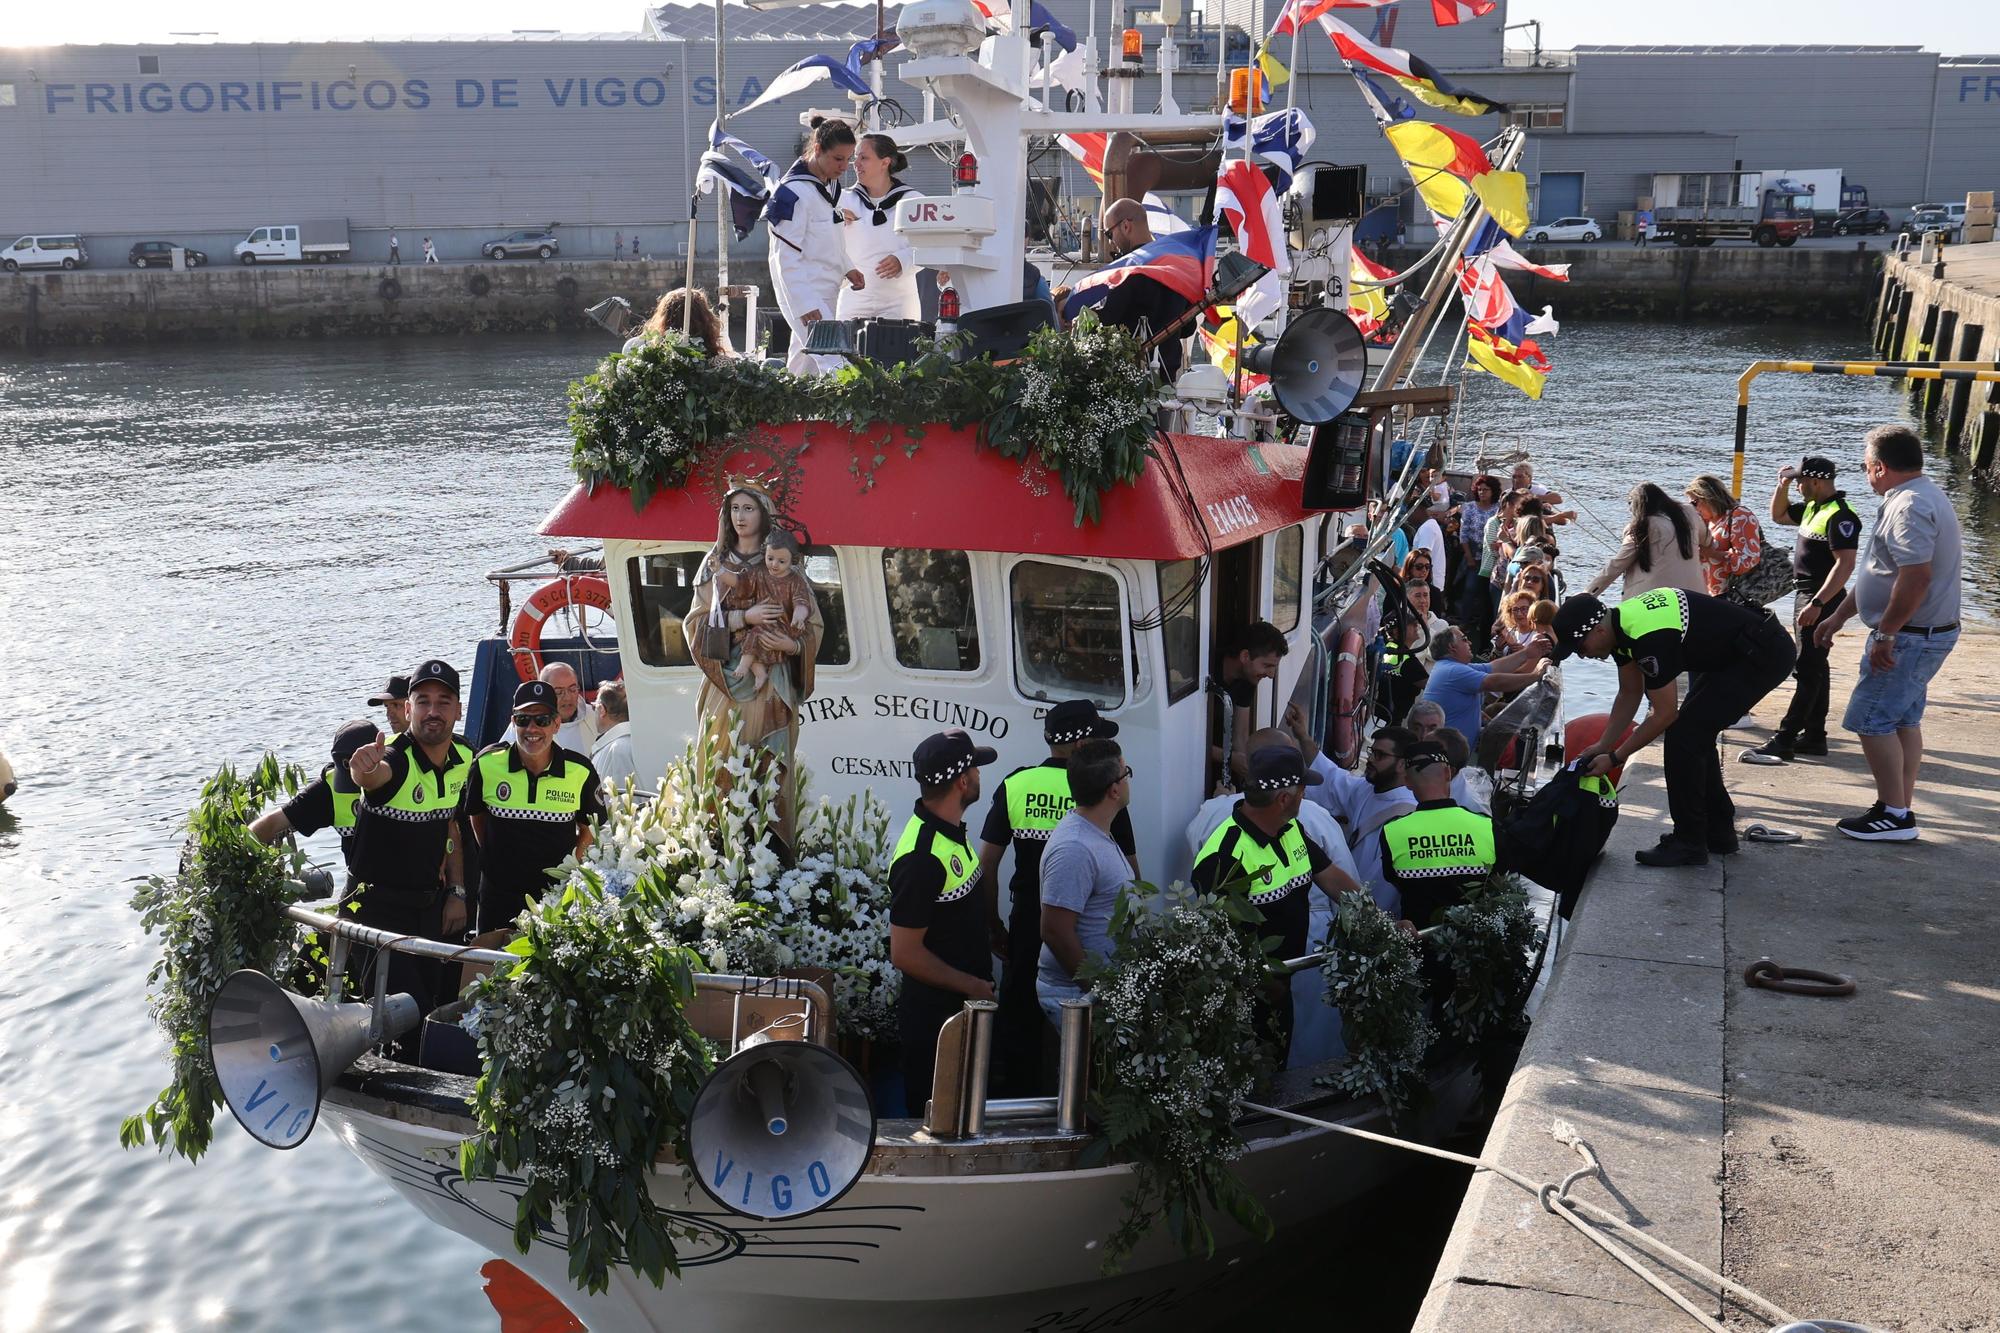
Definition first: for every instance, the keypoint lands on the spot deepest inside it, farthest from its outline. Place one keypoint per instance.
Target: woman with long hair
(1663, 546)
(875, 249)
(1736, 542)
(672, 312)
(1476, 602)
(808, 260)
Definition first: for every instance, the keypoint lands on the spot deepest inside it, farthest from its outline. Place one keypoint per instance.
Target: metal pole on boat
(687, 283)
(1073, 1078)
(721, 196)
(1446, 271)
(972, 1118)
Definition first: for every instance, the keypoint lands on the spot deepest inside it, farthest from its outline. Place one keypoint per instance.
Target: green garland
(1079, 403)
(1488, 941)
(1175, 1047)
(591, 1070)
(223, 910)
(1373, 977)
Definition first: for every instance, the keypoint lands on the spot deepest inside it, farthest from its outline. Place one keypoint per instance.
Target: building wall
(1865, 113)
(1965, 153)
(1615, 174)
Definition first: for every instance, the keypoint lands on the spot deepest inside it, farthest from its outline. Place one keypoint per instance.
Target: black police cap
(942, 757)
(1276, 767)
(1076, 720)
(434, 670)
(534, 694)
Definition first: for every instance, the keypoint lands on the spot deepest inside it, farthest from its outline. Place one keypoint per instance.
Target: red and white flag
(1504, 255)
(1450, 12)
(1246, 198)
(1297, 13)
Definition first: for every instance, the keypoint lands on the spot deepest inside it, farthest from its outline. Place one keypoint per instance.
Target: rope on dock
(1555, 1198)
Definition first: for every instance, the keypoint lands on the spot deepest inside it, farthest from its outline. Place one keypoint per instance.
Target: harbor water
(210, 551)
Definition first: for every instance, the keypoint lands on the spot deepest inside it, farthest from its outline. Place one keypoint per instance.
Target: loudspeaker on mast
(1317, 366)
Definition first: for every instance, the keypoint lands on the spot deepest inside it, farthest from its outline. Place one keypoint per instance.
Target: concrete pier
(1947, 310)
(1837, 1156)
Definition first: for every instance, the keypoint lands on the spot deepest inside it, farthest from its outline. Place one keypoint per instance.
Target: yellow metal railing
(1979, 372)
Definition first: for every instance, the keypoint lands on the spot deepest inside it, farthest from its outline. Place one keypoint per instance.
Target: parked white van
(45, 252)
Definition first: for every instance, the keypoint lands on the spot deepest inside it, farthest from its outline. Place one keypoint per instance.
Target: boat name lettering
(827, 709)
(868, 766)
(1231, 515)
(941, 711)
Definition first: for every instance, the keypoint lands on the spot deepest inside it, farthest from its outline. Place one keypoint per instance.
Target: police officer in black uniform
(1262, 852)
(408, 869)
(328, 802)
(1734, 656)
(1822, 562)
(937, 911)
(1026, 807)
(530, 803)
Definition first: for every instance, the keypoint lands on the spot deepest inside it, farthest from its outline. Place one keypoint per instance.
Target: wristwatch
(458, 892)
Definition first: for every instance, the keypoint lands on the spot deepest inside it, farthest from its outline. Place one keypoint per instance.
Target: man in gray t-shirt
(1907, 593)
(1083, 872)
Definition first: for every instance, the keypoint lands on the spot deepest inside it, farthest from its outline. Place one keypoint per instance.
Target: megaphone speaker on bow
(1316, 367)
(277, 1053)
(780, 1129)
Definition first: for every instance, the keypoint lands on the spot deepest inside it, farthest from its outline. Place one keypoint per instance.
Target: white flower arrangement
(704, 847)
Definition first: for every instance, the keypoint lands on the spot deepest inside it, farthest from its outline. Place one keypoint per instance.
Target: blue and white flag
(1039, 17)
(1279, 140)
(1161, 219)
(741, 170)
(811, 70)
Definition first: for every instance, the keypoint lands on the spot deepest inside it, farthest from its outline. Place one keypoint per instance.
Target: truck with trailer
(321, 240)
(1703, 207)
(1835, 199)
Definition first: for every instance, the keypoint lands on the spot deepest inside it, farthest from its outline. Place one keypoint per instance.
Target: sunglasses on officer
(534, 719)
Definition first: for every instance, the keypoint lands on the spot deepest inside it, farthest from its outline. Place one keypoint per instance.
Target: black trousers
(1696, 796)
(1020, 1024)
(1812, 694)
(920, 1012)
(406, 912)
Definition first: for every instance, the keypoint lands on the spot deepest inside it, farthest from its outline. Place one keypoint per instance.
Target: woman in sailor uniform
(875, 249)
(808, 261)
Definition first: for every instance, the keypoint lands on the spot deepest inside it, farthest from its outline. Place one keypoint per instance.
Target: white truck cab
(320, 241)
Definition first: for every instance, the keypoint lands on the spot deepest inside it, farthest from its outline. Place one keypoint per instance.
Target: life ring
(479, 284)
(1349, 670)
(570, 590)
(566, 287)
(389, 289)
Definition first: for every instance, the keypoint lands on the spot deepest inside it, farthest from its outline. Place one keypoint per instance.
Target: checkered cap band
(938, 777)
(1065, 737)
(1816, 468)
(1277, 784)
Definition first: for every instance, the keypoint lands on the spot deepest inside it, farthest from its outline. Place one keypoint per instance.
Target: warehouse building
(462, 139)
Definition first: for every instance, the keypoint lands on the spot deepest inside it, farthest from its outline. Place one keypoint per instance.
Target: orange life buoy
(1349, 670)
(1580, 733)
(569, 590)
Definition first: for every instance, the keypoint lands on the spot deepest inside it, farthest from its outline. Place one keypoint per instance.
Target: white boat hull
(986, 1247)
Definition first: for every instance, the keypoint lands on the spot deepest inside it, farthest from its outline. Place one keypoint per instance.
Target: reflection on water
(208, 551)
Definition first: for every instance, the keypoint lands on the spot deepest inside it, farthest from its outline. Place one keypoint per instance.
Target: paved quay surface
(1837, 1156)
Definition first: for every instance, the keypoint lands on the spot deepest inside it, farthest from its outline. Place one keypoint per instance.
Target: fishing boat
(986, 1213)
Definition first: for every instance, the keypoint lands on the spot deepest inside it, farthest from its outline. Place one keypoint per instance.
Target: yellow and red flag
(1520, 364)
(1088, 149)
(1446, 164)
(1368, 307)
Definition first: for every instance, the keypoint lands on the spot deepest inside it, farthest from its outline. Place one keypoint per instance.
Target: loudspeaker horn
(277, 1053)
(781, 1129)
(1317, 366)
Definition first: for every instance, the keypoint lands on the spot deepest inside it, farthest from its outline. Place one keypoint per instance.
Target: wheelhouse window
(1179, 627)
(931, 611)
(1287, 573)
(662, 587)
(1069, 633)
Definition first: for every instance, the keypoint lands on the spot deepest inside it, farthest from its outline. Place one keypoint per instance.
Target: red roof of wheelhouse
(956, 495)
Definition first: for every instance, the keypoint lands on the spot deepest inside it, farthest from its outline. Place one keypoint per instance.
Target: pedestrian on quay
(635, 245)
(1908, 596)
(1822, 561)
(395, 251)
(1642, 228)
(1735, 542)
(937, 914)
(430, 251)
(1027, 808)
(1663, 546)
(1735, 656)
(617, 245)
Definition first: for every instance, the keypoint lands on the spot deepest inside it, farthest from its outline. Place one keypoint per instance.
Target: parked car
(1947, 218)
(45, 252)
(320, 241)
(148, 253)
(1567, 229)
(1863, 222)
(541, 243)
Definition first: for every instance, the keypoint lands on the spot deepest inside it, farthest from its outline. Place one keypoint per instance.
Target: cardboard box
(714, 1012)
(1979, 235)
(1979, 199)
(1979, 217)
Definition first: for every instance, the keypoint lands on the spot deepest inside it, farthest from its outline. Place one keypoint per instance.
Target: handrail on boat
(819, 1005)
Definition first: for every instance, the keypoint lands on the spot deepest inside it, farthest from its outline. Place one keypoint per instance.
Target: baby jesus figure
(781, 580)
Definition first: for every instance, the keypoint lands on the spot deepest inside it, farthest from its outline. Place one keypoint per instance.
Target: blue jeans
(1885, 702)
